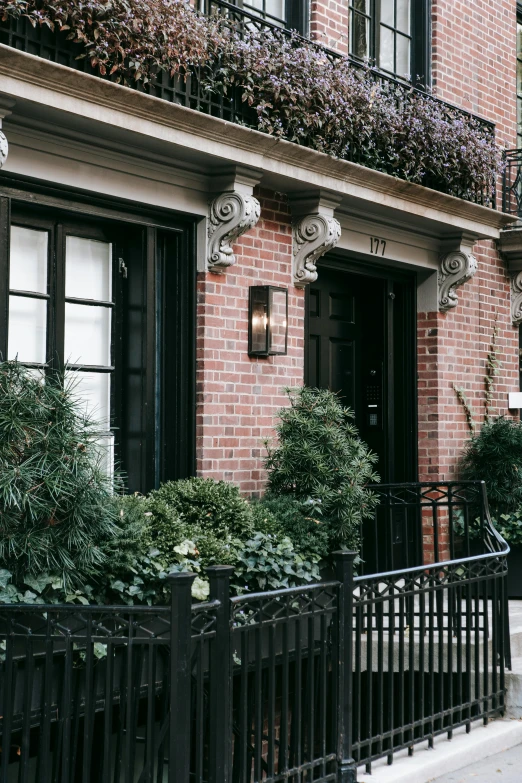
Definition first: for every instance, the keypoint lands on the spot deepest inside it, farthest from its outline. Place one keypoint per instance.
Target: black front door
(361, 344)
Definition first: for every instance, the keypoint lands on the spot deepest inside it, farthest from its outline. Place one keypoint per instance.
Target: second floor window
(288, 14)
(392, 35)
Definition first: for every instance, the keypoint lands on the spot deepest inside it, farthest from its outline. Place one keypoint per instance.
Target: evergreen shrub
(57, 509)
(495, 456)
(319, 457)
(301, 522)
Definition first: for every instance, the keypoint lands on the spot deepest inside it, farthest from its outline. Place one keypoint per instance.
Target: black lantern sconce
(267, 321)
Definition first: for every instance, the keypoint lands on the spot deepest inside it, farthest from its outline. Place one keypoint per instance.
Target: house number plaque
(377, 246)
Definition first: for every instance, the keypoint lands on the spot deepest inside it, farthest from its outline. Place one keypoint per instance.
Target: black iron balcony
(512, 183)
(187, 90)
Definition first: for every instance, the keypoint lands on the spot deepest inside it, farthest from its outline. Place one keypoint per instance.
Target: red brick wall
(474, 45)
(238, 396)
(329, 23)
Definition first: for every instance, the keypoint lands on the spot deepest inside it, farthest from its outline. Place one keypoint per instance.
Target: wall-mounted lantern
(267, 321)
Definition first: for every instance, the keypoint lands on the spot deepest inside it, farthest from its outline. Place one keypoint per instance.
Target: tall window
(114, 301)
(392, 35)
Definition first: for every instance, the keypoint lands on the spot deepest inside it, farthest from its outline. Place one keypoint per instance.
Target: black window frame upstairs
(153, 394)
(420, 37)
(297, 13)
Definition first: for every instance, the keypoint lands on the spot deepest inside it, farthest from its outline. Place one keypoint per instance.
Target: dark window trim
(25, 192)
(420, 36)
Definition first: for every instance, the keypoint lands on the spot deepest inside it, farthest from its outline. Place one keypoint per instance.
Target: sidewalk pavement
(505, 767)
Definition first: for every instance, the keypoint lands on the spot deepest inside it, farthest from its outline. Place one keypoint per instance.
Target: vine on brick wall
(295, 90)
(492, 371)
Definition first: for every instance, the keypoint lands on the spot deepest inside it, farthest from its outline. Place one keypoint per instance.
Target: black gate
(301, 684)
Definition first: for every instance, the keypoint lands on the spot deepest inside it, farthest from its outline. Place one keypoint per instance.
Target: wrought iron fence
(290, 685)
(512, 182)
(188, 90)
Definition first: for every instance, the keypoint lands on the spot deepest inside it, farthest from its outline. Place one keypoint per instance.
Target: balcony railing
(188, 91)
(512, 183)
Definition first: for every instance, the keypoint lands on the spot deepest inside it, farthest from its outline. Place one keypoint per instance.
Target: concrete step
(446, 756)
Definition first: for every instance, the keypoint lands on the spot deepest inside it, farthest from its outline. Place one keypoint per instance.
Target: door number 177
(377, 246)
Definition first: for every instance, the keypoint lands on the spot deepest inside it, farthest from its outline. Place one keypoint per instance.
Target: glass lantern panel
(28, 260)
(88, 269)
(278, 322)
(87, 334)
(27, 329)
(259, 325)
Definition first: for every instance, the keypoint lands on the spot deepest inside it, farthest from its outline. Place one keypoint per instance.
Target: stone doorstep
(447, 756)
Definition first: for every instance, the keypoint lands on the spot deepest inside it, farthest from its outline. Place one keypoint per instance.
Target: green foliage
(301, 522)
(495, 456)
(211, 513)
(56, 499)
(269, 563)
(510, 526)
(320, 456)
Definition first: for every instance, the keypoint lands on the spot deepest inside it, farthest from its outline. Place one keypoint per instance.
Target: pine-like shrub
(58, 513)
(320, 456)
(495, 456)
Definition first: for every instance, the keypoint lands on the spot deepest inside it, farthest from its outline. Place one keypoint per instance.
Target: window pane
(87, 334)
(386, 50)
(403, 16)
(360, 36)
(88, 269)
(27, 329)
(276, 8)
(361, 5)
(93, 390)
(28, 260)
(403, 56)
(387, 12)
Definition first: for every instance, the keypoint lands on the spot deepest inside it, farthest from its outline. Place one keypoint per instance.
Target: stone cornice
(286, 165)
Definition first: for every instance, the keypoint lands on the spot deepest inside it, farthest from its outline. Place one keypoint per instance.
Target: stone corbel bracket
(457, 265)
(232, 212)
(6, 104)
(315, 232)
(510, 246)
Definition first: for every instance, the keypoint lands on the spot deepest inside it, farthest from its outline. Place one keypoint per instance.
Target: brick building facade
(87, 147)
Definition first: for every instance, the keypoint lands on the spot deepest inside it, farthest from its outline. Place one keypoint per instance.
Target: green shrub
(495, 456)
(57, 513)
(320, 456)
(270, 563)
(301, 522)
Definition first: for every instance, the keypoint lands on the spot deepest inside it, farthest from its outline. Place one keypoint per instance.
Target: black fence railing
(512, 183)
(302, 684)
(188, 90)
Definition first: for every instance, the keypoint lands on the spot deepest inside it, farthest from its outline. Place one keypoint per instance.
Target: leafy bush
(495, 456)
(269, 563)
(295, 90)
(58, 513)
(301, 522)
(319, 456)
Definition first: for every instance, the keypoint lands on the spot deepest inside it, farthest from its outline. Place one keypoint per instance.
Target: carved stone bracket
(510, 246)
(457, 265)
(233, 212)
(315, 232)
(455, 269)
(6, 105)
(516, 298)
